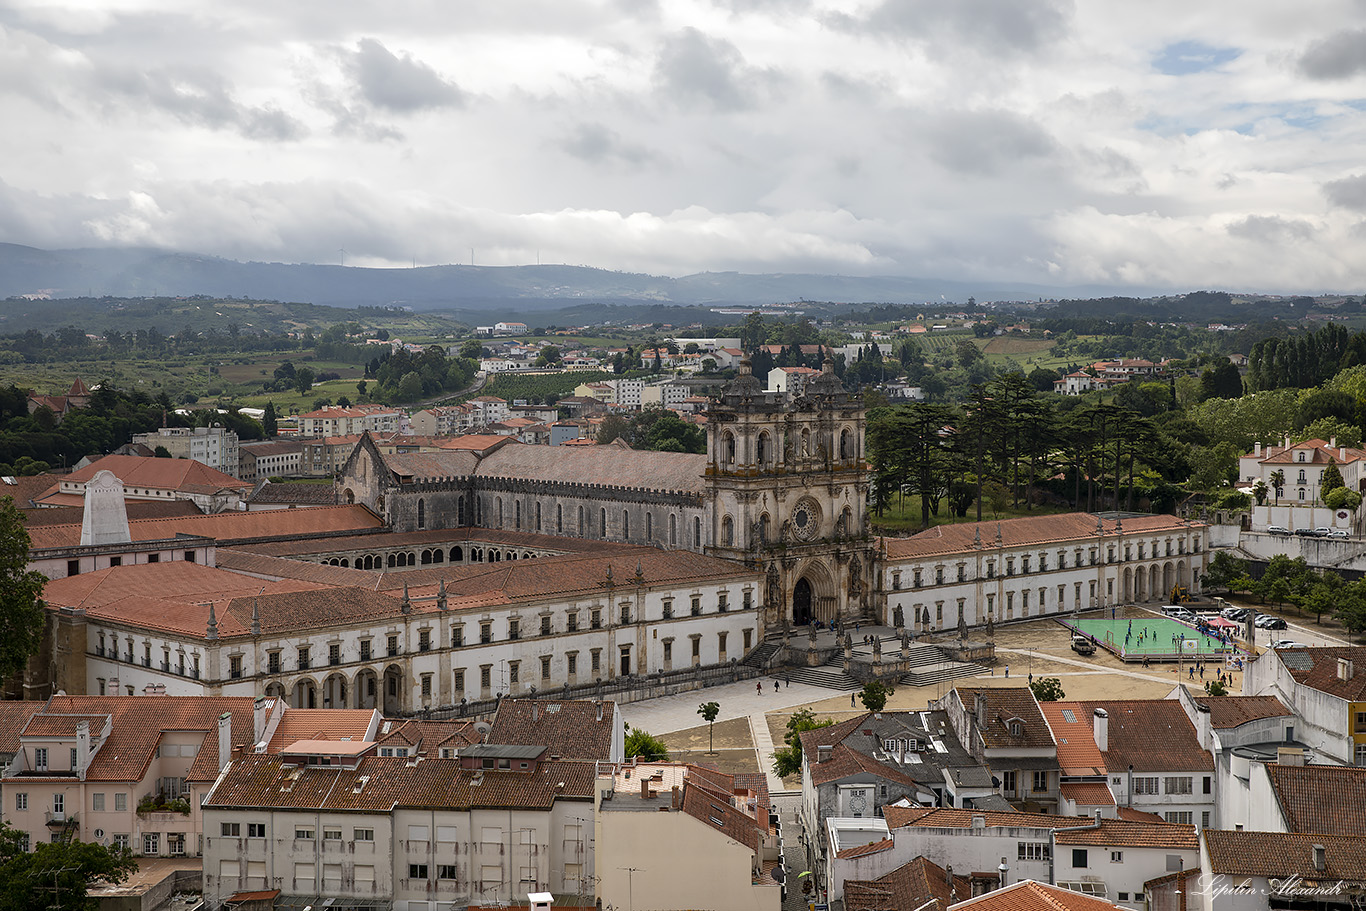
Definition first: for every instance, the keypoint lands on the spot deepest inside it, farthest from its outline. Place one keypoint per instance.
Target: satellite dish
(482, 727)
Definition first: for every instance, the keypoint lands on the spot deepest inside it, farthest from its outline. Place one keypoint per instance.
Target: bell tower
(789, 489)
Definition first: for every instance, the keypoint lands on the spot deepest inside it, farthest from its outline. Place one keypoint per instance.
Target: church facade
(782, 490)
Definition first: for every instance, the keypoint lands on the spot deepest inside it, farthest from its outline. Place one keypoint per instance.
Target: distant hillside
(135, 272)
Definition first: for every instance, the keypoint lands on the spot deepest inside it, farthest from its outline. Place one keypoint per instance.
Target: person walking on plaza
(759, 687)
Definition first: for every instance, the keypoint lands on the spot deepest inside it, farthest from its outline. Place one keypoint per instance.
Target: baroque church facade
(782, 490)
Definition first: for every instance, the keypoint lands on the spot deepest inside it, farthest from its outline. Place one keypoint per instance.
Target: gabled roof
(1152, 735)
(1028, 895)
(229, 527)
(1006, 704)
(1033, 530)
(138, 723)
(1087, 793)
(1319, 452)
(166, 583)
(712, 808)
(1285, 855)
(321, 724)
(1119, 833)
(1318, 668)
(605, 465)
(1325, 799)
(14, 714)
(570, 729)
(186, 475)
(845, 762)
(427, 735)
(1077, 753)
(906, 888)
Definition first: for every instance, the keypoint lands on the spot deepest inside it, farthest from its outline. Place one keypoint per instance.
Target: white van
(1177, 612)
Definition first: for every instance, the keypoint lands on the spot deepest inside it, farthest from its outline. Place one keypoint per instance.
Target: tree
(21, 613)
(1224, 568)
(303, 380)
(161, 452)
(709, 711)
(874, 695)
(472, 349)
(788, 760)
(1278, 484)
(1222, 381)
(269, 421)
(1331, 479)
(1047, 689)
(1215, 688)
(56, 874)
(641, 744)
(967, 353)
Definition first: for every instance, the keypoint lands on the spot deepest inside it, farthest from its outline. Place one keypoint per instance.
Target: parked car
(1267, 621)
(1083, 646)
(1306, 533)
(1277, 530)
(1339, 533)
(1288, 643)
(1236, 614)
(1322, 531)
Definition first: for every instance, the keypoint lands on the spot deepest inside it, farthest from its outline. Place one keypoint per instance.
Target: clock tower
(789, 488)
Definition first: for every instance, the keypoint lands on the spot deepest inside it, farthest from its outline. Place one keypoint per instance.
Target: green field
(1150, 637)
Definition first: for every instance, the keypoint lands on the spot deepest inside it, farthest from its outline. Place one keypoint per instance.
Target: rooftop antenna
(343, 256)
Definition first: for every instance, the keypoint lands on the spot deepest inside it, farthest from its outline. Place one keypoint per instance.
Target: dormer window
(1016, 728)
(1302, 457)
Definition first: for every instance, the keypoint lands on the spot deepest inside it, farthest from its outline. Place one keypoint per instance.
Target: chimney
(979, 822)
(536, 713)
(1332, 442)
(599, 711)
(1257, 451)
(82, 748)
(224, 740)
(1320, 861)
(677, 797)
(260, 713)
(1342, 453)
(948, 875)
(1346, 668)
(981, 710)
(112, 689)
(644, 788)
(1289, 756)
(1100, 729)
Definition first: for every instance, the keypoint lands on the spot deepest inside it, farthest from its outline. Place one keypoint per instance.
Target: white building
(1036, 567)
(357, 419)
(215, 446)
(1324, 689)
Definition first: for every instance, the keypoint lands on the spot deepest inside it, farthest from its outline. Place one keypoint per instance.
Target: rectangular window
(486, 632)
(1145, 785)
(596, 661)
(485, 672)
(73, 567)
(40, 759)
(365, 650)
(625, 614)
(97, 802)
(305, 833)
(459, 679)
(1208, 784)
(332, 834)
(230, 829)
(1079, 858)
(426, 686)
(595, 619)
(1185, 817)
(1008, 782)
(235, 667)
(572, 624)
(1032, 850)
(514, 629)
(20, 802)
(151, 843)
(545, 667)
(392, 645)
(120, 842)
(363, 834)
(457, 635)
(256, 830)
(303, 657)
(545, 625)
(120, 802)
(334, 653)
(722, 602)
(417, 871)
(514, 672)
(1040, 781)
(1204, 820)
(1178, 784)
(446, 871)
(1116, 857)
(273, 662)
(696, 606)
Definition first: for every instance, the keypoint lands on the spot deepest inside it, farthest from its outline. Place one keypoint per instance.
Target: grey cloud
(1347, 193)
(1340, 55)
(1272, 229)
(988, 25)
(694, 68)
(986, 142)
(397, 83)
(780, 7)
(201, 98)
(597, 144)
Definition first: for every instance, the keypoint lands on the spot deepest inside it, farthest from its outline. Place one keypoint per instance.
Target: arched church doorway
(801, 602)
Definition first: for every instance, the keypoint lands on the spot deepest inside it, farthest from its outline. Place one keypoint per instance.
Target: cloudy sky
(1160, 143)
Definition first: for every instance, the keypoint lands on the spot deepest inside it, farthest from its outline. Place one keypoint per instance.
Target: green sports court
(1153, 637)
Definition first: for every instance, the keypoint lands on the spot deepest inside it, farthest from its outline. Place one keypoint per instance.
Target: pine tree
(269, 422)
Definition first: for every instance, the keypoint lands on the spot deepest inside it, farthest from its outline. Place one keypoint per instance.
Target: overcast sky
(1181, 143)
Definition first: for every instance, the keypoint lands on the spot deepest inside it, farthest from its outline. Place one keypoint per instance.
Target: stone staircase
(928, 665)
(830, 675)
(760, 657)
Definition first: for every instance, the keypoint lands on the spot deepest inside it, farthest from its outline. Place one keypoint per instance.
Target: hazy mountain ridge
(131, 272)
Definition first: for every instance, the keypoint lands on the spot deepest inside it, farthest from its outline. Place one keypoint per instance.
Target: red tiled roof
(159, 474)
(1152, 735)
(161, 582)
(570, 729)
(1231, 711)
(605, 465)
(320, 724)
(14, 714)
(227, 527)
(381, 783)
(1322, 674)
(1315, 798)
(1035, 530)
(1004, 704)
(1028, 895)
(135, 509)
(1282, 854)
(844, 762)
(1118, 833)
(139, 722)
(908, 887)
(873, 847)
(1087, 793)
(1077, 753)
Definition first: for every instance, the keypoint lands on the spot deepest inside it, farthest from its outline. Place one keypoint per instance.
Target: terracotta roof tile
(844, 762)
(428, 735)
(264, 567)
(294, 494)
(1004, 704)
(229, 527)
(1119, 833)
(381, 783)
(570, 729)
(136, 509)
(161, 474)
(1077, 753)
(1028, 895)
(950, 818)
(1282, 854)
(14, 714)
(1315, 798)
(1152, 735)
(873, 847)
(908, 887)
(178, 581)
(608, 466)
(1318, 668)
(1231, 711)
(1035, 530)
(138, 723)
(321, 724)
(1087, 793)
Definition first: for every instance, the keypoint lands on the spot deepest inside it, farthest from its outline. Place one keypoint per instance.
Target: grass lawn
(292, 402)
